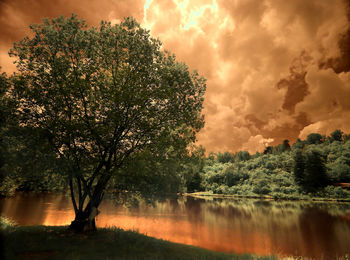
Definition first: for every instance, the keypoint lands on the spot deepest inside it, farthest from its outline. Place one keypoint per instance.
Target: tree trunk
(85, 220)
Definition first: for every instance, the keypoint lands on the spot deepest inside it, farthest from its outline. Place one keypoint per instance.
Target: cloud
(275, 69)
(17, 15)
(328, 103)
(327, 126)
(256, 144)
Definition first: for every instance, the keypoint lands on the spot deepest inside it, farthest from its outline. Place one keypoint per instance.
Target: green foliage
(194, 184)
(337, 135)
(99, 96)
(315, 176)
(261, 187)
(298, 144)
(335, 192)
(243, 156)
(157, 176)
(307, 169)
(7, 185)
(314, 138)
(6, 223)
(225, 157)
(299, 168)
(285, 146)
(340, 169)
(310, 170)
(234, 176)
(29, 164)
(268, 150)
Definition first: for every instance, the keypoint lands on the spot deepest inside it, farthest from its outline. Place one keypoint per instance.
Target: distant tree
(299, 144)
(285, 145)
(225, 157)
(234, 176)
(310, 170)
(268, 150)
(299, 168)
(337, 135)
(192, 168)
(102, 96)
(340, 169)
(278, 149)
(256, 155)
(151, 176)
(243, 156)
(314, 138)
(346, 137)
(315, 171)
(194, 184)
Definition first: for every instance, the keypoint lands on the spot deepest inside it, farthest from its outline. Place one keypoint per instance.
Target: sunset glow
(240, 226)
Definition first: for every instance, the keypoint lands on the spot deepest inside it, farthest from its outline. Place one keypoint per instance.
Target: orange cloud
(275, 69)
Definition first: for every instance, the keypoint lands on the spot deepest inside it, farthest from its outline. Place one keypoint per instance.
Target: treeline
(309, 167)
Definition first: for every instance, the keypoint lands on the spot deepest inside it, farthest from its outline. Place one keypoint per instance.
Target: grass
(57, 242)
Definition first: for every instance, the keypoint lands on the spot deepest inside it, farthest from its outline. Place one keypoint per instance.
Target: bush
(261, 187)
(225, 157)
(7, 187)
(6, 222)
(337, 135)
(314, 138)
(335, 192)
(234, 176)
(222, 189)
(339, 169)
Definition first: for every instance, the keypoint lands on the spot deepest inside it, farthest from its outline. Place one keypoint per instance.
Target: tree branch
(73, 196)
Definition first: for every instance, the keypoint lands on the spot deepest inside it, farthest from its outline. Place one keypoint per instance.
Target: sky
(275, 69)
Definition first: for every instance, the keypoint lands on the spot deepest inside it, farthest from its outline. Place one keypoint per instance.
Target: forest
(310, 168)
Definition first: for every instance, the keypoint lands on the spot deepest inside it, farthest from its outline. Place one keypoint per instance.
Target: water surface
(314, 230)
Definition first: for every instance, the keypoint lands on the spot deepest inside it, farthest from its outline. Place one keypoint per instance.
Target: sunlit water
(317, 230)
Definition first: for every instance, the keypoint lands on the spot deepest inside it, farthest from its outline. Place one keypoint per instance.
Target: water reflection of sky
(241, 226)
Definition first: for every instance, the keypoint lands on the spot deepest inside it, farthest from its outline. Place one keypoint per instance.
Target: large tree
(101, 95)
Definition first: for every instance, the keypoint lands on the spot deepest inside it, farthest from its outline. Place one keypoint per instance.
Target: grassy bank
(209, 194)
(56, 242)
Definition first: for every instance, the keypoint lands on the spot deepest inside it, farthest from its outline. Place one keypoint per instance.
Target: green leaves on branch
(107, 90)
(102, 95)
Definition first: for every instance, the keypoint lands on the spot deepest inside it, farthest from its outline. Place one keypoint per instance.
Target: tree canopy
(100, 95)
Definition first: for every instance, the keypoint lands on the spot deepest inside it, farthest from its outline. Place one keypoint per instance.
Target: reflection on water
(318, 230)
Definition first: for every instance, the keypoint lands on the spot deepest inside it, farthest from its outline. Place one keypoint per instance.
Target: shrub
(261, 187)
(7, 187)
(225, 157)
(6, 222)
(234, 176)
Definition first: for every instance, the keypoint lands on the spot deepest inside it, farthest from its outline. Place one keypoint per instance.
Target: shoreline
(57, 242)
(206, 195)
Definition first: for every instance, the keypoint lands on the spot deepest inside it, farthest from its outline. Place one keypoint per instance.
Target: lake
(284, 228)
